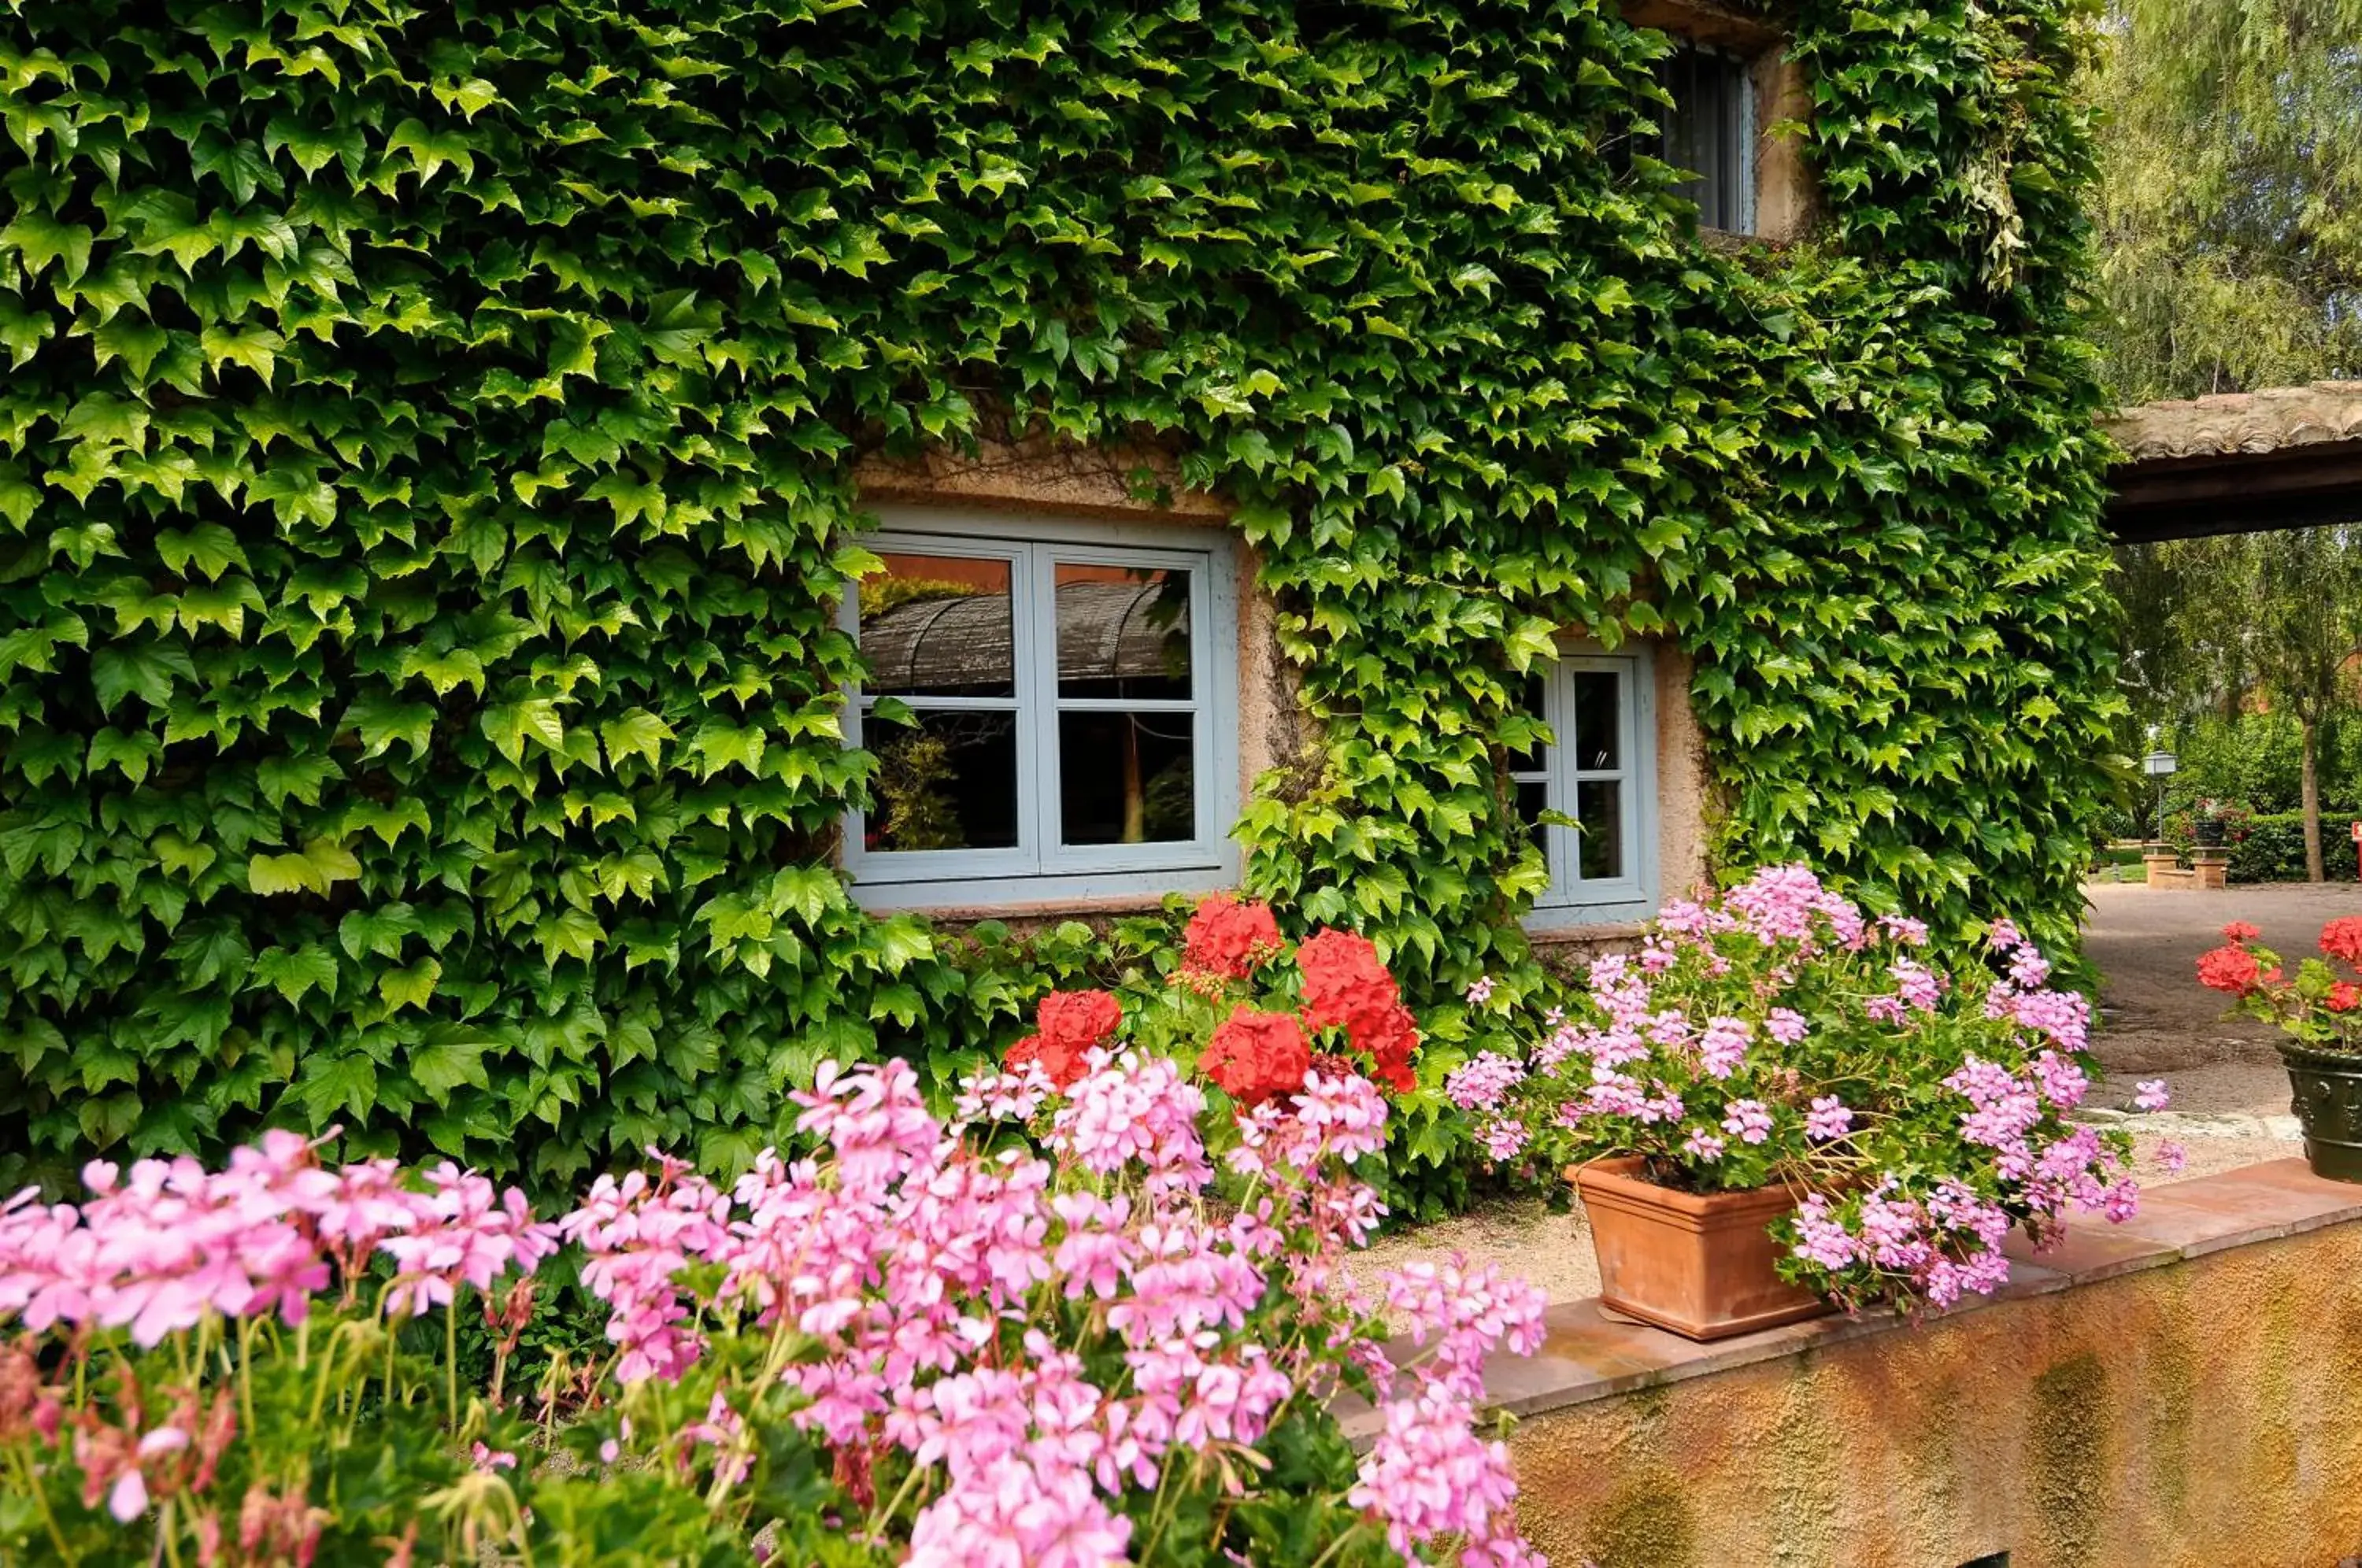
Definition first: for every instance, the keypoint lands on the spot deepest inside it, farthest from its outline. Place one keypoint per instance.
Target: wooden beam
(2186, 498)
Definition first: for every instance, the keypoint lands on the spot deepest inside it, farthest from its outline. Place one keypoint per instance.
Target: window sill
(1026, 911)
(1576, 927)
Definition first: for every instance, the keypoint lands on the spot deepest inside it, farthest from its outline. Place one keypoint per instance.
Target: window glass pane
(1599, 847)
(1534, 758)
(1533, 798)
(1598, 730)
(1127, 777)
(1122, 631)
(1705, 132)
(948, 783)
(938, 626)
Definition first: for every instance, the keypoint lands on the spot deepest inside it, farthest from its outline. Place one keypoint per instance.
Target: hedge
(2272, 849)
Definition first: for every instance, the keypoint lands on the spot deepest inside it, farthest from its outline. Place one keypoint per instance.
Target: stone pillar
(2211, 869)
(2162, 864)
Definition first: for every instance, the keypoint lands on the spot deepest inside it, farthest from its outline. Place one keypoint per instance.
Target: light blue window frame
(1572, 899)
(1041, 867)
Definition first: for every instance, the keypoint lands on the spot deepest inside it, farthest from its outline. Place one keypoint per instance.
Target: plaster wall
(2205, 1415)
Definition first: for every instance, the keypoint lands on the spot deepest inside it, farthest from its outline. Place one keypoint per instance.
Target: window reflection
(947, 782)
(1122, 631)
(939, 626)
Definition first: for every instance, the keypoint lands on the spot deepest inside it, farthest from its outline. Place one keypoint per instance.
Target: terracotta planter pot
(2328, 1102)
(1700, 1265)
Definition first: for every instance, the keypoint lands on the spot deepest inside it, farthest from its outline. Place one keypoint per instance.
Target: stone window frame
(1040, 871)
(1570, 903)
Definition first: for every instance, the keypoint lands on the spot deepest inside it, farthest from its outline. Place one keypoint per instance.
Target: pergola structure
(2283, 458)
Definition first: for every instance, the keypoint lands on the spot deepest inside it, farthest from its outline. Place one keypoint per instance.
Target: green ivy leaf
(293, 972)
(40, 238)
(410, 988)
(508, 725)
(315, 868)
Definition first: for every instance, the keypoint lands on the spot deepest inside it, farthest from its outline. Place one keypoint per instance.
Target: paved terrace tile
(1589, 1353)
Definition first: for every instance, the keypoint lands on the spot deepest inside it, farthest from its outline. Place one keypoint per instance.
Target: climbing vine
(426, 499)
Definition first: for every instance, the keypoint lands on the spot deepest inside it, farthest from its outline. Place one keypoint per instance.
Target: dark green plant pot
(2328, 1102)
(2208, 832)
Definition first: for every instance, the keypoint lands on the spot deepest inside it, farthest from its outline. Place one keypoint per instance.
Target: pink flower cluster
(950, 1297)
(1040, 1339)
(1776, 1033)
(1429, 1475)
(156, 1249)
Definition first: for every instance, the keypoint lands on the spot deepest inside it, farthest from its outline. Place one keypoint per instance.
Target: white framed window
(1599, 770)
(1710, 133)
(1052, 705)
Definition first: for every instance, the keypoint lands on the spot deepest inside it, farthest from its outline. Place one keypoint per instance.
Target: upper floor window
(1710, 132)
(1599, 774)
(1052, 708)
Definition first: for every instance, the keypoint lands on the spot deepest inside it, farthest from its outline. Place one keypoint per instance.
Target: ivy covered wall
(424, 501)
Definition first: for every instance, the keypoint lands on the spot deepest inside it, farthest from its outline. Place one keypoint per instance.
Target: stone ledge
(1589, 1354)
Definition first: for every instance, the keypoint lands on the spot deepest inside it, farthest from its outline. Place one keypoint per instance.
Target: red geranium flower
(1390, 1046)
(1344, 983)
(1346, 987)
(2232, 970)
(1255, 1056)
(2344, 996)
(1079, 1019)
(1228, 937)
(1060, 1063)
(2342, 938)
(2240, 930)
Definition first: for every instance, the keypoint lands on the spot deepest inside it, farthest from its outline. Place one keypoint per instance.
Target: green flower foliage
(425, 498)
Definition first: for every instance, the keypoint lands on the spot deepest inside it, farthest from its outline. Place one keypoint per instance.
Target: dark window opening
(1710, 133)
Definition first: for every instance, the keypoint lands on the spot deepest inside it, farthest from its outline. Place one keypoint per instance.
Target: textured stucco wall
(2205, 1415)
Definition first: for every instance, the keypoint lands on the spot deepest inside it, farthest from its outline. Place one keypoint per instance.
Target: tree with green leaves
(2231, 194)
(2248, 619)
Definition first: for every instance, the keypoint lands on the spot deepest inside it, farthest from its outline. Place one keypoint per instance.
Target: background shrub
(2271, 848)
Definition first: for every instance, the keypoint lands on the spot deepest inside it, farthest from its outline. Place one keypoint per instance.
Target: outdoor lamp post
(2159, 766)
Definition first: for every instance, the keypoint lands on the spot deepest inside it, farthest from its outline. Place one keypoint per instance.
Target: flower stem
(451, 1358)
(33, 1488)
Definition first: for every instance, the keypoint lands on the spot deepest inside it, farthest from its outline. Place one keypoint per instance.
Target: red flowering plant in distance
(2317, 1006)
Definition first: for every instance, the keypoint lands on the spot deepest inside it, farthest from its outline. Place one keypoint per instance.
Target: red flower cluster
(1083, 1019)
(1255, 1056)
(2240, 930)
(2232, 970)
(1068, 1024)
(1346, 987)
(1228, 937)
(2342, 938)
(2344, 996)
